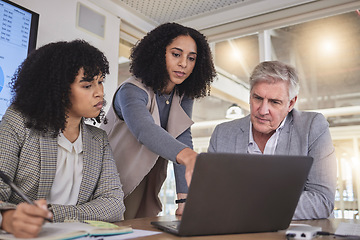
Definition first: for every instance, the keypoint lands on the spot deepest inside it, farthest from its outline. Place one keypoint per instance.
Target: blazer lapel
(178, 120)
(283, 145)
(242, 137)
(153, 107)
(48, 155)
(91, 169)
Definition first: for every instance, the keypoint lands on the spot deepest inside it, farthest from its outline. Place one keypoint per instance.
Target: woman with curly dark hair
(61, 163)
(150, 118)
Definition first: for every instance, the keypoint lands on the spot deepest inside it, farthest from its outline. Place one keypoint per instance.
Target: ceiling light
(234, 111)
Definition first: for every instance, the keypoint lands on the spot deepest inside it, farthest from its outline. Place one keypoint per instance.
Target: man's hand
(187, 157)
(26, 220)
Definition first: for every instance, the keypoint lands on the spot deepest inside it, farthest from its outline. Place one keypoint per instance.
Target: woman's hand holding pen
(26, 220)
(187, 157)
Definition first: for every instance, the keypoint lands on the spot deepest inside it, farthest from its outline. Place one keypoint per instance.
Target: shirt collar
(251, 138)
(68, 146)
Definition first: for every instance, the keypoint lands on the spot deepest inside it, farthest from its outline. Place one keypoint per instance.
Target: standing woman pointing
(150, 117)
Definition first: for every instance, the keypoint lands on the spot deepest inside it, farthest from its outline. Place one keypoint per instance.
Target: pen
(18, 191)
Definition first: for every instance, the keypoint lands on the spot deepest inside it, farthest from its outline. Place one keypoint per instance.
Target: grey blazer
(304, 133)
(29, 159)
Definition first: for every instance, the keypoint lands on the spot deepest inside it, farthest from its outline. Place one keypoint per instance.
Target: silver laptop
(241, 193)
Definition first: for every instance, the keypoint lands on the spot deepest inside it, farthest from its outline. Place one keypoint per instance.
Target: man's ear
(292, 103)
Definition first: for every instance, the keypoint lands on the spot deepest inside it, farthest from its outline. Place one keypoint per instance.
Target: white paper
(348, 229)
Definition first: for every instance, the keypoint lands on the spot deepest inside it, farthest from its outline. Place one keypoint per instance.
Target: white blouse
(66, 186)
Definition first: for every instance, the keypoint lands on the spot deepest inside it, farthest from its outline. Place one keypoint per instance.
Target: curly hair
(148, 61)
(41, 84)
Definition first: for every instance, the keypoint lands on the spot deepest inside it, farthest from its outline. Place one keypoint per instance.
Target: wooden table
(328, 225)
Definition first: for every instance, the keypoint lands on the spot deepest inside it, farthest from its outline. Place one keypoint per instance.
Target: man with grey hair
(275, 127)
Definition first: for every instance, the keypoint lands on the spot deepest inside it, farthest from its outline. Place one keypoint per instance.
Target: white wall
(58, 22)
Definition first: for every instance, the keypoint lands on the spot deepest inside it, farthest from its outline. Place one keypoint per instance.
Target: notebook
(241, 193)
(74, 230)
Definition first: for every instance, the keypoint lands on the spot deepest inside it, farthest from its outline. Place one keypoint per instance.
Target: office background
(321, 38)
